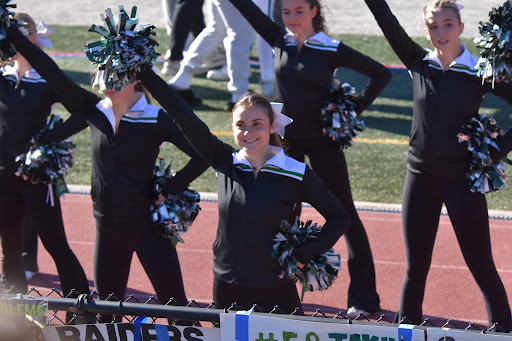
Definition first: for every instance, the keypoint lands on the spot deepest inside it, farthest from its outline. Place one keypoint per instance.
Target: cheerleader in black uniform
(126, 133)
(257, 186)
(305, 59)
(447, 94)
(26, 101)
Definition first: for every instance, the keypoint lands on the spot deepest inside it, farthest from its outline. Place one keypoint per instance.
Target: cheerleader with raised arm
(447, 94)
(305, 60)
(126, 134)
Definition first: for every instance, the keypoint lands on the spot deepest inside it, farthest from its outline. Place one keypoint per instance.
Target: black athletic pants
(115, 245)
(423, 197)
(188, 17)
(286, 297)
(17, 196)
(329, 163)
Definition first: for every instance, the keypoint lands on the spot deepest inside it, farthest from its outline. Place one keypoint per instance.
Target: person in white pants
(225, 24)
(265, 56)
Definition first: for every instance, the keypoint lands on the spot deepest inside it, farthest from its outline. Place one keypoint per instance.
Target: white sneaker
(354, 312)
(218, 74)
(30, 274)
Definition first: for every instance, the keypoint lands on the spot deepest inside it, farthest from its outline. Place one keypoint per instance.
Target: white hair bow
(281, 119)
(43, 31)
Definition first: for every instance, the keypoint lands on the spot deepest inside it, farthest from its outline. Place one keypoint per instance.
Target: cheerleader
(257, 189)
(447, 93)
(305, 60)
(126, 133)
(27, 100)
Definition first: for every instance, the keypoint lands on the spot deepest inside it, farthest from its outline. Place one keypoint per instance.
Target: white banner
(445, 334)
(125, 332)
(245, 327)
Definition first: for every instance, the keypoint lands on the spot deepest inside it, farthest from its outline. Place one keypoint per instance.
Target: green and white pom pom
(6, 20)
(481, 135)
(46, 163)
(319, 273)
(495, 40)
(339, 117)
(177, 213)
(124, 49)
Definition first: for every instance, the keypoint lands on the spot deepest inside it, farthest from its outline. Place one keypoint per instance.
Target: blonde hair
(32, 27)
(441, 4)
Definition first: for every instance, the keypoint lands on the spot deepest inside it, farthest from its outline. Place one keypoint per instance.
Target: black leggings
(329, 163)
(286, 297)
(115, 245)
(423, 197)
(17, 198)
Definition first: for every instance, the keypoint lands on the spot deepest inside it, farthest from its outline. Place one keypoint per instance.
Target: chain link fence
(77, 308)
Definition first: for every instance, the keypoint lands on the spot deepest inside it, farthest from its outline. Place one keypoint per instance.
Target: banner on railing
(445, 334)
(18, 306)
(130, 332)
(243, 326)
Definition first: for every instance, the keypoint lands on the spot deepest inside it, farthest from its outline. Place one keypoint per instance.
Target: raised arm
(76, 99)
(264, 26)
(196, 131)
(405, 48)
(193, 169)
(337, 221)
(379, 75)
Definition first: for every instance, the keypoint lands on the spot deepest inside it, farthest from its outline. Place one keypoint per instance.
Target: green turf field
(377, 160)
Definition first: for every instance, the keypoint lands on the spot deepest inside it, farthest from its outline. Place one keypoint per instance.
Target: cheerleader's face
(443, 29)
(298, 16)
(252, 129)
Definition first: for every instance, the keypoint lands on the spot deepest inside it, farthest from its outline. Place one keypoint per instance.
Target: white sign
(245, 327)
(446, 334)
(125, 332)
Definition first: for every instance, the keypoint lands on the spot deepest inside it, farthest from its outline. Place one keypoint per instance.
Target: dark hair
(441, 4)
(318, 20)
(253, 100)
(140, 88)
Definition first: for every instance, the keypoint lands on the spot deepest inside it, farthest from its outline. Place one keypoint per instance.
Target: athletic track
(451, 291)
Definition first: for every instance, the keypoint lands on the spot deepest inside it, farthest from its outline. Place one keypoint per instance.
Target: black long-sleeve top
(443, 100)
(304, 78)
(122, 161)
(24, 107)
(251, 208)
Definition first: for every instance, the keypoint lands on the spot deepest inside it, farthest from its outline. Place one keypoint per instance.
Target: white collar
(465, 58)
(278, 160)
(10, 70)
(105, 106)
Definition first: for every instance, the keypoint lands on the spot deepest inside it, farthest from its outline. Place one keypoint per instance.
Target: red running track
(451, 291)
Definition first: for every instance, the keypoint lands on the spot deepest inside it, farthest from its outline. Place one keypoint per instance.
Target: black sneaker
(189, 96)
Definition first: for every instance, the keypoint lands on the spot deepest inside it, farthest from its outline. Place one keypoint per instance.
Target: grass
(376, 170)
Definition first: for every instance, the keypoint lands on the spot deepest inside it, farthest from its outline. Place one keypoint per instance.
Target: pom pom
(6, 20)
(46, 163)
(123, 50)
(495, 41)
(339, 117)
(319, 273)
(481, 134)
(176, 214)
